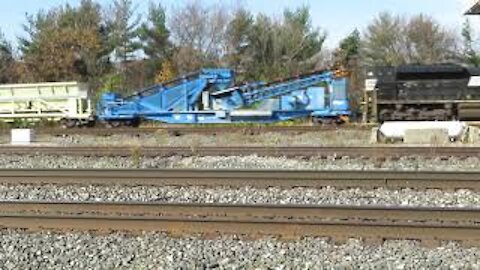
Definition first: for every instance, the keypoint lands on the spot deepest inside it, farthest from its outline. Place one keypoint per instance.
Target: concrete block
(21, 136)
(374, 135)
(427, 136)
(473, 135)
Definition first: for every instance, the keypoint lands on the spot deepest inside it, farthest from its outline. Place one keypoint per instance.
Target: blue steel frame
(179, 101)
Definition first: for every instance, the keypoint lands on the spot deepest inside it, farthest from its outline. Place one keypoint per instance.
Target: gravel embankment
(235, 162)
(324, 138)
(20, 250)
(244, 195)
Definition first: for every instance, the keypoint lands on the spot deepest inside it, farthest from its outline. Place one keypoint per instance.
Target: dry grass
(162, 138)
(136, 156)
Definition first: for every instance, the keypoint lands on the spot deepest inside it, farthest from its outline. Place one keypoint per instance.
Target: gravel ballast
(237, 162)
(244, 195)
(162, 138)
(21, 250)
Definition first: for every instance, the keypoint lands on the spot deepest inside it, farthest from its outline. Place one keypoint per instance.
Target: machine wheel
(132, 123)
(90, 124)
(68, 123)
(316, 121)
(323, 121)
(113, 124)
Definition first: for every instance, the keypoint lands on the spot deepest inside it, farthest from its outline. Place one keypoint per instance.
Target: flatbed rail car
(210, 96)
(65, 102)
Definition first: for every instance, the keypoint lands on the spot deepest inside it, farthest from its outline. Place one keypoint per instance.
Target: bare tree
(384, 41)
(428, 42)
(394, 40)
(199, 33)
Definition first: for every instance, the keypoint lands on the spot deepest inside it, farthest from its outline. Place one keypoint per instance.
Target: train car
(65, 102)
(208, 96)
(426, 92)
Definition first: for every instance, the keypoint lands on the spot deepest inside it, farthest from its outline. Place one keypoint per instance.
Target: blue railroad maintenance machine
(209, 96)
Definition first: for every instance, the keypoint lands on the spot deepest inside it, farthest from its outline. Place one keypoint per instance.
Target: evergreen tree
(154, 36)
(348, 49)
(238, 41)
(470, 55)
(7, 61)
(280, 48)
(124, 25)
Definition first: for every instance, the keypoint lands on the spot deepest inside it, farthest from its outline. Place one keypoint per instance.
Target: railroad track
(192, 129)
(374, 224)
(241, 178)
(296, 151)
(177, 130)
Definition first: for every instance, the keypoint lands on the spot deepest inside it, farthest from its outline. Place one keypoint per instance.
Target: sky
(337, 17)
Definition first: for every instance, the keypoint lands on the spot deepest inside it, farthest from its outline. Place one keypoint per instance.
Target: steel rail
(239, 178)
(373, 223)
(300, 151)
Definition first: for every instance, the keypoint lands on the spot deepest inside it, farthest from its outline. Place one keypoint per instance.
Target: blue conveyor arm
(180, 94)
(254, 92)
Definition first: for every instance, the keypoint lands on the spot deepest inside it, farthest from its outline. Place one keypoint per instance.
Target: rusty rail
(238, 178)
(303, 151)
(430, 225)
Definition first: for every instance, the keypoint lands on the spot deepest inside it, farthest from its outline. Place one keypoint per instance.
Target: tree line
(113, 47)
